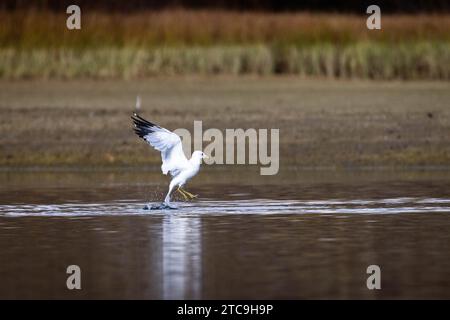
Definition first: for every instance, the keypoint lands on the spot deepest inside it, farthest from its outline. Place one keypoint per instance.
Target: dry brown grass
(36, 44)
(43, 29)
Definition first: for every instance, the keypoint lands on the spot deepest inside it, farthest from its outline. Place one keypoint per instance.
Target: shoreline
(323, 123)
(236, 167)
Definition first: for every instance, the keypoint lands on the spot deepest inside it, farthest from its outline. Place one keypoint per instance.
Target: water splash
(237, 207)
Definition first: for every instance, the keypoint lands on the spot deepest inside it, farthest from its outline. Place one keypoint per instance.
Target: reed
(36, 44)
(361, 60)
(30, 29)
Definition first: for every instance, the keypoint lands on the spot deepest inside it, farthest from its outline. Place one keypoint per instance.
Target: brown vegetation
(37, 44)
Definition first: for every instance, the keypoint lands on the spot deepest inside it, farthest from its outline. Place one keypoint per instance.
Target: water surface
(302, 234)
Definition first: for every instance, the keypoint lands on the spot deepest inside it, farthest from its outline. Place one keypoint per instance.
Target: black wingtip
(138, 119)
(142, 127)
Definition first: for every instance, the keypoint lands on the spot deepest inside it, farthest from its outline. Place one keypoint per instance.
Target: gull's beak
(205, 156)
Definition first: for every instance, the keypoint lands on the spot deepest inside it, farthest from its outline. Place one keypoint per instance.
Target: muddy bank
(322, 123)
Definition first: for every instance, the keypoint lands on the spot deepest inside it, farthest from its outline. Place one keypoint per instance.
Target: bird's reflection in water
(181, 257)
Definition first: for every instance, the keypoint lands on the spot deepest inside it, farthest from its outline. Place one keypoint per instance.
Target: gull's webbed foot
(192, 196)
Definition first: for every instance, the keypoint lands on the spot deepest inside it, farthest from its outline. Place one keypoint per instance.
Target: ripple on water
(253, 206)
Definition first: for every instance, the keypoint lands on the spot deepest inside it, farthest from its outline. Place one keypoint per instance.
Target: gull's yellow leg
(192, 196)
(182, 193)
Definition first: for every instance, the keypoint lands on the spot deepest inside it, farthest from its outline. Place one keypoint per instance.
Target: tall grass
(361, 60)
(30, 29)
(37, 44)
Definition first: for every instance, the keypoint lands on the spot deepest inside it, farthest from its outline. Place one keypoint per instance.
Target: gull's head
(198, 155)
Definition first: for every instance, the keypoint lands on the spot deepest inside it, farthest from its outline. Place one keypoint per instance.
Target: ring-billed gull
(174, 161)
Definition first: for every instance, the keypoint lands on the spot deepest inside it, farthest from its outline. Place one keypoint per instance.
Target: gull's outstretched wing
(163, 140)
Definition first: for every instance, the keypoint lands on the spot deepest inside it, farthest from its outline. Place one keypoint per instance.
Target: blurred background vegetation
(137, 39)
(275, 62)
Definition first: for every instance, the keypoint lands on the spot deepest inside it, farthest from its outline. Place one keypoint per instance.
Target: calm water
(301, 234)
